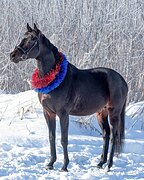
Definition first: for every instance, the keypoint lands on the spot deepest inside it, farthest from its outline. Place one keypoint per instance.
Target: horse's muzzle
(13, 57)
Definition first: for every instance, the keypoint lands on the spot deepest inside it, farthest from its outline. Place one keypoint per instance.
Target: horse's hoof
(100, 164)
(99, 167)
(64, 170)
(49, 167)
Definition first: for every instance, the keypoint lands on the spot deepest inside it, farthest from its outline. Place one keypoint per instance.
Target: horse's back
(109, 78)
(102, 78)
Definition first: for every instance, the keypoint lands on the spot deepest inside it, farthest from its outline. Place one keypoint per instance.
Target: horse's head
(29, 46)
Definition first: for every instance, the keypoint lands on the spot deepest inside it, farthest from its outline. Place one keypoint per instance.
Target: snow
(24, 145)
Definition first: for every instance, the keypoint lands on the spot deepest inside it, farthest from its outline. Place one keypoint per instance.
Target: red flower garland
(38, 82)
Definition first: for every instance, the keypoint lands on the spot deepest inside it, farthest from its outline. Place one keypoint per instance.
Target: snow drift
(24, 145)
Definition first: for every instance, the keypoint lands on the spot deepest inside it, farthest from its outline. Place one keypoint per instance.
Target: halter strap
(26, 52)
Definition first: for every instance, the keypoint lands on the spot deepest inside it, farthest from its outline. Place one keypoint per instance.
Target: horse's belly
(88, 107)
(82, 113)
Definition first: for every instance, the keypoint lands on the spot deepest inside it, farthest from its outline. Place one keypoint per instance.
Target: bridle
(26, 52)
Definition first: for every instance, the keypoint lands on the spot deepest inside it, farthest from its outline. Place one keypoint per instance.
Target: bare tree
(91, 33)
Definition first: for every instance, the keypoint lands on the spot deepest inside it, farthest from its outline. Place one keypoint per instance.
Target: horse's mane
(53, 48)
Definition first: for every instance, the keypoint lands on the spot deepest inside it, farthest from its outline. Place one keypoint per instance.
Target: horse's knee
(52, 138)
(64, 142)
(112, 140)
(106, 137)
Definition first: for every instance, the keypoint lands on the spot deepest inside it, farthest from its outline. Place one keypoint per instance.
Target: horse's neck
(45, 62)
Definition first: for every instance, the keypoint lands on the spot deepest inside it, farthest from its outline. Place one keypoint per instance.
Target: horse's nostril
(13, 55)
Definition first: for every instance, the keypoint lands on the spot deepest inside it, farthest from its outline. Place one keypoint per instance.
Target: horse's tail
(120, 131)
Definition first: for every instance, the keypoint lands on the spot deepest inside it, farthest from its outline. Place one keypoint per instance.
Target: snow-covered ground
(24, 146)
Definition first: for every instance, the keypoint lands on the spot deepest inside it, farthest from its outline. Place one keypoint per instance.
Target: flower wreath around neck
(51, 80)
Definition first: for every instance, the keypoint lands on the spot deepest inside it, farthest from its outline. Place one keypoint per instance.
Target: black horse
(82, 92)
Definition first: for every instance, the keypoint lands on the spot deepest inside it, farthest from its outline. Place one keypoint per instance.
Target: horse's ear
(29, 28)
(36, 29)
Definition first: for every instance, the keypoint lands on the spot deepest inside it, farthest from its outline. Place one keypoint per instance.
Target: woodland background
(90, 32)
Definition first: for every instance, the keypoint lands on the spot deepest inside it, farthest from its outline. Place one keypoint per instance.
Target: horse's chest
(45, 100)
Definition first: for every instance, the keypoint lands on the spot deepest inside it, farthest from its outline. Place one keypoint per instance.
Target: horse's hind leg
(51, 122)
(103, 122)
(114, 124)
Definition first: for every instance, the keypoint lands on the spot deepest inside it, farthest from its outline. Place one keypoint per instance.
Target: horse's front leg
(51, 122)
(64, 123)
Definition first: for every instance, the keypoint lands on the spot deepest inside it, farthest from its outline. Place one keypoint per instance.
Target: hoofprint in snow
(24, 145)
